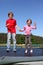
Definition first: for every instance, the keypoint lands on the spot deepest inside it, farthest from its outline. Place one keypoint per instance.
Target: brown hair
(30, 20)
(10, 13)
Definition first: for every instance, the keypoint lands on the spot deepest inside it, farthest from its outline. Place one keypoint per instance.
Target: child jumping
(11, 27)
(27, 29)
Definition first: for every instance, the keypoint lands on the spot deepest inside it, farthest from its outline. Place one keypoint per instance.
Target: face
(10, 16)
(29, 23)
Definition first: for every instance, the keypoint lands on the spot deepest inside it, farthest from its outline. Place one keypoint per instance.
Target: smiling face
(29, 22)
(10, 15)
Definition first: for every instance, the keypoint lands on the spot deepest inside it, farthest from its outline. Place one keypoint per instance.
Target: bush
(21, 39)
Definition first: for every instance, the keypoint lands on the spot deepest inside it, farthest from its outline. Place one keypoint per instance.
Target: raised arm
(34, 27)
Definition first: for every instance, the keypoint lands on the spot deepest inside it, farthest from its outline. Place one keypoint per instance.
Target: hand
(17, 27)
(20, 30)
(34, 23)
(7, 25)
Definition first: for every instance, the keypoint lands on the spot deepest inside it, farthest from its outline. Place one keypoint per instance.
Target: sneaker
(14, 50)
(26, 51)
(31, 51)
(8, 50)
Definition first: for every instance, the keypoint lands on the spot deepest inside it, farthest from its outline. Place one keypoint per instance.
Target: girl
(27, 30)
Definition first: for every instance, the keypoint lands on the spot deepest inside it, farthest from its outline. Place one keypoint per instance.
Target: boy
(11, 27)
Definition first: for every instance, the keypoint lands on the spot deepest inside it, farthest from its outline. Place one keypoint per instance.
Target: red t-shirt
(10, 24)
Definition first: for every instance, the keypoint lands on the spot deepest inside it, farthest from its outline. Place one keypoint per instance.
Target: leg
(8, 40)
(26, 42)
(14, 41)
(30, 44)
(26, 46)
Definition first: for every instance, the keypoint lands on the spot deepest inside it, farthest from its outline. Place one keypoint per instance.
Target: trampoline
(20, 56)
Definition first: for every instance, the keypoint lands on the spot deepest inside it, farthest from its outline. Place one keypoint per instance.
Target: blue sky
(22, 9)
